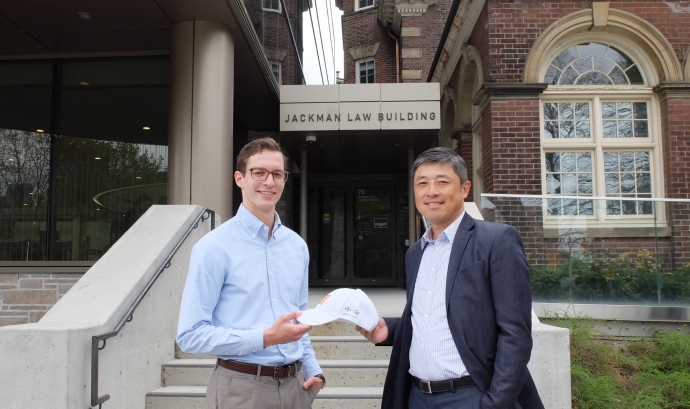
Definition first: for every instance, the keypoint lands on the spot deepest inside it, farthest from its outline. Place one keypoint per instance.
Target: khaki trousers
(235, 390)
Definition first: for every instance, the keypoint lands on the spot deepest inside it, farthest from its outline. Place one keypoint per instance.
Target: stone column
(200, 140)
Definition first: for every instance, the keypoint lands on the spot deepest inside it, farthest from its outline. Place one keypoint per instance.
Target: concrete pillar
(201, 116)
(303, 196)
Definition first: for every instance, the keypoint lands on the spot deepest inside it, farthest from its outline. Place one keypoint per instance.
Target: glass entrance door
(351, 232)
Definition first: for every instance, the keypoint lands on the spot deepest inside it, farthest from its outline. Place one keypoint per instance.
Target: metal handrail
(636, 199)
(96, 339)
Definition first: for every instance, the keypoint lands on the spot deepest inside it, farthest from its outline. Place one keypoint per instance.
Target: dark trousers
(465, 398)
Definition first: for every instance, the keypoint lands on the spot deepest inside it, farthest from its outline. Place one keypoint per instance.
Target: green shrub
(648, 373)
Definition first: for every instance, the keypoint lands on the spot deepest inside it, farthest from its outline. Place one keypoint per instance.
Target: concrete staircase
(355, 369)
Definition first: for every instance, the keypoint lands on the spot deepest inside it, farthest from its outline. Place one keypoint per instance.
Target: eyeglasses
(279, 176)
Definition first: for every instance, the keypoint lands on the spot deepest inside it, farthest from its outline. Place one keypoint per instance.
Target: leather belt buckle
(428, 385)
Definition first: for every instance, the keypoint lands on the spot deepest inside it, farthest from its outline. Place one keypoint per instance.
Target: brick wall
(514, 26)
(432, 24)
(273, 32)
(25, 298)
(362, 28)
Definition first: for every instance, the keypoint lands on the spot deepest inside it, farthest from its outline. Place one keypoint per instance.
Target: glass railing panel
(601, 250)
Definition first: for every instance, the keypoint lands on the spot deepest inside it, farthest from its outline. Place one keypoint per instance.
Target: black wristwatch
(323, 378)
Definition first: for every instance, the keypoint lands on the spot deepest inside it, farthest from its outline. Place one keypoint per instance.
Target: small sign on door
(380, 223)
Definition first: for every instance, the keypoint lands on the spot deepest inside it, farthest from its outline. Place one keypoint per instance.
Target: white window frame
(357, 8)
(597, 144)
(280, 70)
(362, 61)
(278, 10)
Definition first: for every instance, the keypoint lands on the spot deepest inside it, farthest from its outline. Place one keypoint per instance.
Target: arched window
(593, 64)
(600, 135)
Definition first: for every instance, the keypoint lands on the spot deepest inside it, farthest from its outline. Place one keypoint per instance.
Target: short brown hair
(257, 146)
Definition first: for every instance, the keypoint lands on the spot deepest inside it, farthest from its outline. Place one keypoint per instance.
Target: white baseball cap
(344, 304)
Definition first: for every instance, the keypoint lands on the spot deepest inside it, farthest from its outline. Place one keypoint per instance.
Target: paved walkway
(389, 302)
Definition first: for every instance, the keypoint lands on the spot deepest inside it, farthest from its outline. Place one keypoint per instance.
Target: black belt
(443, 386)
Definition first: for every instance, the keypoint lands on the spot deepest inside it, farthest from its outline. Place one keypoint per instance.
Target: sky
(310, 61)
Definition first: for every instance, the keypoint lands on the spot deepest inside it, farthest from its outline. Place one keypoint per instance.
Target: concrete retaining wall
(48, 364)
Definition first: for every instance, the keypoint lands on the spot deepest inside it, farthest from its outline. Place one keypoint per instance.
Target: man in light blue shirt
(246, 286)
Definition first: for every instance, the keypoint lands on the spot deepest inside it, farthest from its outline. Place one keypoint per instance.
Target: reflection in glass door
(373, 234)
(351, 235)
(326, 235)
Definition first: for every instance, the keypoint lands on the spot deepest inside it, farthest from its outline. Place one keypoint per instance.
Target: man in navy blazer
(464, 338)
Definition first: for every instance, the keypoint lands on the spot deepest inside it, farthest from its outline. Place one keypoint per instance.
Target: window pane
(618, 77)
(110, 153)
(568, 162)
(612, 183)
(569, 76)
(566, 110)
(634, 76)
(619, 58)
(564, 58)
(644, 207)
(628, 183)
(641, 130)
(640, 109)
(25, 100)
(552, 75)
(591, 49)
(609, 129)
(603, 65)
(624, 110)
(552, 162)
(550, 110)
(582, 129)
(570, 207)
(629, 207)
(642, 161)
(644, 183)
(554, 207)
(582, 110)
(625, 129)
(594, 78)
(613, 207)
(584, 184)
(551, 129)
(626, 161)
(583, 65)
(566, 129)
(611, 162)
(569, 184)
(553, 185)
(608, 110)
(584, 161)
(586, 207)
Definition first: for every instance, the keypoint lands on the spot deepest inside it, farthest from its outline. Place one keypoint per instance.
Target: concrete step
(339, 373)
(328, 347)
(192, 397)
(348, 347)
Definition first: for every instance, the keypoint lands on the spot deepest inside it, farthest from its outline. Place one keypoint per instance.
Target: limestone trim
(275, 54)
(640, 39)
(508, 92)
(364, 51)
(470, 81)
(673, 90)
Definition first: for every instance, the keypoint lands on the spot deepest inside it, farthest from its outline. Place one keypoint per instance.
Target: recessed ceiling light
(146, 128)
(31, 193)
(11, 160)
(98, 209)
(83, 83)
(97, 158)
(138, 177)
(26, 204)
(84, 16)
(39, 130)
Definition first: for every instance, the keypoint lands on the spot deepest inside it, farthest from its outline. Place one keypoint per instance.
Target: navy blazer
(489, 307)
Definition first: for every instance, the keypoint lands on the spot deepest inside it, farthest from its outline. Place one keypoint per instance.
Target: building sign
(359, 106)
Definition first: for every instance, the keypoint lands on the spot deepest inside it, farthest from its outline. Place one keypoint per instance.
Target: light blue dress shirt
(433, 354)
(239, 283)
